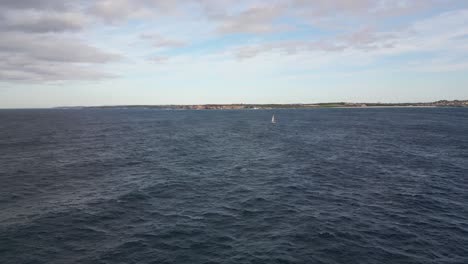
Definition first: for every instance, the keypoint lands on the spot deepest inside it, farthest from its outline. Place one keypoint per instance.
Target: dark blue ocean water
(154, 186)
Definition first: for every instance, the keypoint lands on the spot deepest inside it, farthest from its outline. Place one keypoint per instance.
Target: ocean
(114, 186)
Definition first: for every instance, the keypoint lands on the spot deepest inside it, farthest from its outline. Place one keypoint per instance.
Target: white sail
(273, 119)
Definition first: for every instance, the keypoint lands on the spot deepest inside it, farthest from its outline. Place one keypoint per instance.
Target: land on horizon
(440, 103)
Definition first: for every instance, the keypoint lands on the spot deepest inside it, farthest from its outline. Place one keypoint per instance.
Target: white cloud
(53, 35)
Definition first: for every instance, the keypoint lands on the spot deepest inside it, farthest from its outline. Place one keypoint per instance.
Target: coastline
(395, 106)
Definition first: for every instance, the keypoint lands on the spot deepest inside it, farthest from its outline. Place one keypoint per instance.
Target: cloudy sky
(109, 52)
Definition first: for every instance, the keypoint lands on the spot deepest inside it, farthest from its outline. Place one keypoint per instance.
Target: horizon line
(231, 104)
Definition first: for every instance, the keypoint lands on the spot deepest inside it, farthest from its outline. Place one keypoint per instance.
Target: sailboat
(273, 121)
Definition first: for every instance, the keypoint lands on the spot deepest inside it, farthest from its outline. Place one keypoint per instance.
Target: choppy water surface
(152, 186)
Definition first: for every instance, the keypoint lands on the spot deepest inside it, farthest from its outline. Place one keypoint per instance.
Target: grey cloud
(23, 68)
(253, 20)
(254, 16)
(34, 4)
(286, 47)
(335, 6)
(41, 16)
(41, 22)
(121, 10)
(159, 59)
(44, 58)
(36, 44)
(263, 16)
(114, 10)
(48, 73)
(48, 48)
(252, 51)
(162, 42)
(365, 39)
(339, 13)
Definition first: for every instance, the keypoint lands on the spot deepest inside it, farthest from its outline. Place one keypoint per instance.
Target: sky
(118, 52)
